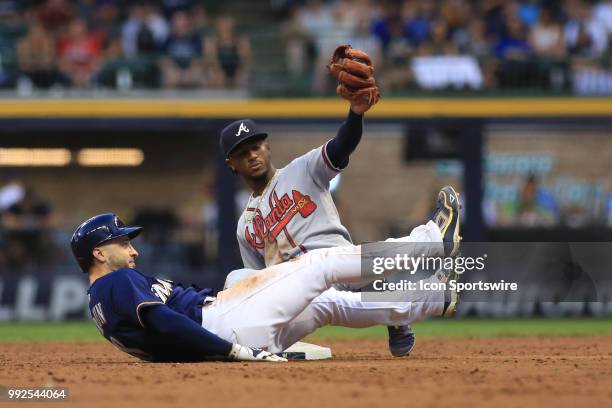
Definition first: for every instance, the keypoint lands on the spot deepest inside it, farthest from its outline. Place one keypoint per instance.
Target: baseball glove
(355, 74)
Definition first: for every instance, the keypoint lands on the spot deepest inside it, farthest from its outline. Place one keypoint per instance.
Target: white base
(307, 351)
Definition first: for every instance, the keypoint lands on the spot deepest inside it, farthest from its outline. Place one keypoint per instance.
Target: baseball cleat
(451, 296)
(451, 301)
(446, 216)
(401, 340)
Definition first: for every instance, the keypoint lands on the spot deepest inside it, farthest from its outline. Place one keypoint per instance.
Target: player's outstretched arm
(348, 137)
(200, 342)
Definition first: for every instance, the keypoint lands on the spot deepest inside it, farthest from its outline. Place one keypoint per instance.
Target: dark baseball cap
(237, 132)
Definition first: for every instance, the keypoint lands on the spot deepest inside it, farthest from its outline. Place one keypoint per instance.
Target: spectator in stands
(10, 12)
(417, 18)
(516, 68)
(297, 43)
(585, 37)
(169, 7)
(439, 43)
(603, 13)
(312, 29)
(586, 40)
(472, 39)
(182, 64)
(537, 207)
(37, 57)
(477, 45)
(361, 37)
(229, 55)
(144, 31)
(347, 26)
(317, 20)
(546, 36)
(395, 74)
(495, 13)
(80, 54)
(104, 20)
(27, 223)
(12, 191)
(55, 15)
(31, 212)
(200, 20)
(513, 42)
(455, 14)
(391, 25)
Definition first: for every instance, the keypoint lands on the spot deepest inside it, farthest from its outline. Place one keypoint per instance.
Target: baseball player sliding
(291, 211)
(262, 314)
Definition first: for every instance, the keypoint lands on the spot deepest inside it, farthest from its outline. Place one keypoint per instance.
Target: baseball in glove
(355, 74)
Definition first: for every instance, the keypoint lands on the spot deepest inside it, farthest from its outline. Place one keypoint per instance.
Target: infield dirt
(492, 372)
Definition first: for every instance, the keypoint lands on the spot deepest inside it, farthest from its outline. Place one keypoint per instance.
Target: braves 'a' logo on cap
(242, 128)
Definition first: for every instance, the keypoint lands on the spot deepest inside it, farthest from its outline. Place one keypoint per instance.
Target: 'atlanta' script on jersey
(293, 215)
(282, 211)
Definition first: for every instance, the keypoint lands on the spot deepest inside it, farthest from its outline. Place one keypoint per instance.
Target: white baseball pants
(277, 306)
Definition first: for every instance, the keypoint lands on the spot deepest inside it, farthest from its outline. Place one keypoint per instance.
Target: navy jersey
(116, 302)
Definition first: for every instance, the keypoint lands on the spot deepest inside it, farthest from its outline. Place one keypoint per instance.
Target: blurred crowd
(119, 44)
(35, 236)
(546, 44)
(556, 45)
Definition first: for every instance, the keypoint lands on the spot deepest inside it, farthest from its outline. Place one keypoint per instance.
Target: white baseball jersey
(294, 214)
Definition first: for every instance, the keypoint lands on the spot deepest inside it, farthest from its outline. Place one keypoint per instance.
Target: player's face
(251, 159)
(118, 253)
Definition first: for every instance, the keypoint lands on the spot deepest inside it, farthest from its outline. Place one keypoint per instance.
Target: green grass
(74, 331)
(86, 331)
(484, 328)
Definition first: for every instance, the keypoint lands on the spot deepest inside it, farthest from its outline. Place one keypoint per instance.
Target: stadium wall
(298, 126)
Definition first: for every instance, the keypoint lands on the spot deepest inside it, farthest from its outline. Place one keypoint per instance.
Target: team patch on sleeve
(162, 289)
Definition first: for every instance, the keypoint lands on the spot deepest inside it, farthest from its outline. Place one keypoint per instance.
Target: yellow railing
(303, 108)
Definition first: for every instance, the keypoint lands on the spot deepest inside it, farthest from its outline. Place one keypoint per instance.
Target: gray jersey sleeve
(319, 166)
(250, 257)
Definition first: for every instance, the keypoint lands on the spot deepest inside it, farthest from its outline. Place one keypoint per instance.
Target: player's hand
(243, 353)
(360, 109)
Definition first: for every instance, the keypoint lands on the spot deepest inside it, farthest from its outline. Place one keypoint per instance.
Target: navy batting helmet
(95, 232)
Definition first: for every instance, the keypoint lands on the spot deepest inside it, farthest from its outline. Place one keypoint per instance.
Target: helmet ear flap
(85, 264)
